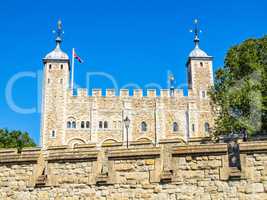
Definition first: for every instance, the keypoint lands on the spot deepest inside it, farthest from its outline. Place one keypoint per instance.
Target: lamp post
(127, 124)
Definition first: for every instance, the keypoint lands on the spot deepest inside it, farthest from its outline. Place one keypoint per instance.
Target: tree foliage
(239, 94)
(15, 139)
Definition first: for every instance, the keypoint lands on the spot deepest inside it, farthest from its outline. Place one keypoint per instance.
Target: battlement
(151, 93)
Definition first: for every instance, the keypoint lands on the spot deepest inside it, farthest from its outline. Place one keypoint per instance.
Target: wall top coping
(134, 153)
(256, 146)
(26, 155)
(87, 152)
(202, 149)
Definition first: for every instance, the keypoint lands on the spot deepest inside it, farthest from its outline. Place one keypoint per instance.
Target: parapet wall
(126, 93)
(144, 171)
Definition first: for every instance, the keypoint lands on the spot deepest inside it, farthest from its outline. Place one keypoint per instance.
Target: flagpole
(72, 71)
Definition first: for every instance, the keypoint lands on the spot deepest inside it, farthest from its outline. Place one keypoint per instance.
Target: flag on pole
(74, 56)
(77, 57)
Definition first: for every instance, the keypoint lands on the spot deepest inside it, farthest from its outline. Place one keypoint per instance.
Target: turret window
(53, 134)
(143, 126)
(48, 80)
(50, 66)
(175, 127)
(61, 66)
(206, 127)
(193, 128)
(203, 94)
(201, 64)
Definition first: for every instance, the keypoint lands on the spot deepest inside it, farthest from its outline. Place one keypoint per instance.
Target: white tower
(200, 79)
(55, 85)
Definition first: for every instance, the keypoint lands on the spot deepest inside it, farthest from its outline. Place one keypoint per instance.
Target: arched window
(143, 127)
(82, 124)
(73, 124)
(105, 124)
(175, 127)
(53, 134)
(68, 124)
(87, 124)
(100, 124)
(207, 127)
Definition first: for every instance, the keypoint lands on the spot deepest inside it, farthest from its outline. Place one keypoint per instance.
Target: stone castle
(69, 119)
(86, 154)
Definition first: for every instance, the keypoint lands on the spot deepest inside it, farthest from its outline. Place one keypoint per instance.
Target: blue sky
(135, 41)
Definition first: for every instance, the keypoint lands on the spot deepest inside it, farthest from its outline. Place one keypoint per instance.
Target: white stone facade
(70, 120)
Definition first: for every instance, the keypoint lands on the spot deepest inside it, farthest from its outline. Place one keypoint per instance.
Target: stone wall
(158, 112)
(171, 170)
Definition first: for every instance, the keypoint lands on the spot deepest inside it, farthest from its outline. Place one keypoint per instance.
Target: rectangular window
(203, 94)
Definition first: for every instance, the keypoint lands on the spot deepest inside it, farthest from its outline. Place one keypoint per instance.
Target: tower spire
(171, 81)
(59, 33)
(57, 53)
(196, 31)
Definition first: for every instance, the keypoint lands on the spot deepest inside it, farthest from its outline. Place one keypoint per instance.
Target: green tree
(15, 139)
(239, 95)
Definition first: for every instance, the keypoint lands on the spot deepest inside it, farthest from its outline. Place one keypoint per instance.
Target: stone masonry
(169, 171)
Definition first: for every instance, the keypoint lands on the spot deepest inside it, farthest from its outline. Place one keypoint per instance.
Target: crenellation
(138, 93)
(124, 93)
(82, 92)
(110, 93)
(96, 92)
(179, 93)
(164, 93)
(151, 93)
